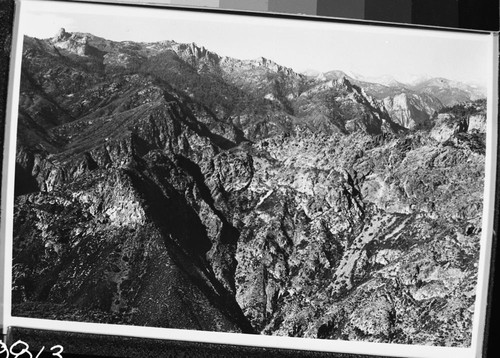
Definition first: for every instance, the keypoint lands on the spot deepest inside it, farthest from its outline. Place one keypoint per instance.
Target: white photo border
(353, 347)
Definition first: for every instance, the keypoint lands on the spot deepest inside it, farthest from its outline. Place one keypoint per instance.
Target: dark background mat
(468, 14)
(86, 344)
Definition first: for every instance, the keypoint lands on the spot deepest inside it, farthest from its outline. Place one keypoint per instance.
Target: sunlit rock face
(160, 184)
(412, 110)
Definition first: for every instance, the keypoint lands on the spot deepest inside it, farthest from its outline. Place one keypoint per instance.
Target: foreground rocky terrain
(160, 184)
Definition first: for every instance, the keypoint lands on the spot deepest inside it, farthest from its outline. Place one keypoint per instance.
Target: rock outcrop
(411, 110)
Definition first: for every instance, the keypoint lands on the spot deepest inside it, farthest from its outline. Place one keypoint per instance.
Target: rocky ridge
(163, 185)
(422, 97)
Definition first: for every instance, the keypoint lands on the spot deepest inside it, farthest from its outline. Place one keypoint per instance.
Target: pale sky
(371, 51)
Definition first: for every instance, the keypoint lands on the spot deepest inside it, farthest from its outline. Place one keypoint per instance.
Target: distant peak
(263, 61)
(194, 45)
(344, 81)
(270, 64)
(61, 35)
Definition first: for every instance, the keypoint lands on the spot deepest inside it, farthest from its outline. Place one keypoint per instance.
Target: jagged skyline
(301, 45)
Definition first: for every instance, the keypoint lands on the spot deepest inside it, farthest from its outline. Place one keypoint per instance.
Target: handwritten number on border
(41, 350)
(22, 351)
(57, 354)
(4, 349)
(25, 353)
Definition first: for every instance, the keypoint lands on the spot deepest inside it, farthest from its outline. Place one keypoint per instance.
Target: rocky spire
(61, 35)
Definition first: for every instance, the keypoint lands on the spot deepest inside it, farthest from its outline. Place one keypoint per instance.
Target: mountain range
(161, 184)
(449, 92)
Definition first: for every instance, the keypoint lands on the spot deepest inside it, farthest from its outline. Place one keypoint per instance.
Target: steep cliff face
(412, 110)
(339, 106)
(163, 185)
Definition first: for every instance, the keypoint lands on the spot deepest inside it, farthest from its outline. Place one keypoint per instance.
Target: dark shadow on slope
(24, 182)
(185, 239)
(229, 234)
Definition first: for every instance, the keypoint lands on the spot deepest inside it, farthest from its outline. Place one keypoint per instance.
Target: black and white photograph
(307, 181)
